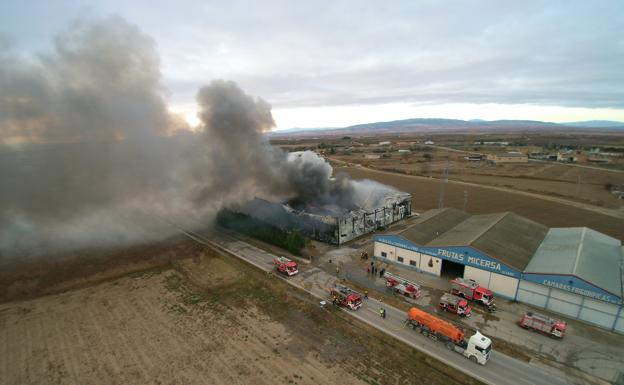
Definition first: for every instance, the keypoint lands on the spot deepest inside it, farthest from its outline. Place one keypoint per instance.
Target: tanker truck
(477, 348)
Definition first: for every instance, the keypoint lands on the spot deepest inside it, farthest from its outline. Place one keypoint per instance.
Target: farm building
(575, 272)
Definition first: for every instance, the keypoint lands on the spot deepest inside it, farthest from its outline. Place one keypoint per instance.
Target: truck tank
(436, 325)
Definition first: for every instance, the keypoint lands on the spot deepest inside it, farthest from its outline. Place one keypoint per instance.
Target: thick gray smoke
(90, 156)
(234, 124)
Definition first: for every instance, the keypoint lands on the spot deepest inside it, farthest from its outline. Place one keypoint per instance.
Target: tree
(427, 157)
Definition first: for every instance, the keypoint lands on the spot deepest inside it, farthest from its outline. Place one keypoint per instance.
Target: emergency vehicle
(286, 266)
(455, 304)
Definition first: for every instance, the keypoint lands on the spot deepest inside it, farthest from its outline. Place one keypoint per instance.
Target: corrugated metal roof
(467, 231)
(513, 240)
(583, 252)
(508, 237)
(432, 223)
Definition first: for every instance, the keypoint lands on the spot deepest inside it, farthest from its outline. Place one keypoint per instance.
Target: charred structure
(331, 223)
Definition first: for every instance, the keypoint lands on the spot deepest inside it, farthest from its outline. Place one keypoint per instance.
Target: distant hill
(596, 124)
(436, 125)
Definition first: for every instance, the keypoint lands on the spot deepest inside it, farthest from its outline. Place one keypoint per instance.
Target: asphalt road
(501, 369)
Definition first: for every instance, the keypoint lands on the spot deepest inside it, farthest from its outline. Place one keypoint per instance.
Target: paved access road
(501, 369)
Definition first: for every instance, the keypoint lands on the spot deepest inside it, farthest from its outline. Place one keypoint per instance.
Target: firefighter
(382, 312)
(365, 294)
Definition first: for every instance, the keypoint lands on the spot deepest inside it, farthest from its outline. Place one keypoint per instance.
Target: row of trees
(292, 241)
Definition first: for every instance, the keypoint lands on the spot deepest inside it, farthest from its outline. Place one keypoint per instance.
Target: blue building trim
(465, 255)
(470, 256)
(572, 284)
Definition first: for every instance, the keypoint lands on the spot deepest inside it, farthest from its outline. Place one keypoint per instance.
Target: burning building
(332, 223)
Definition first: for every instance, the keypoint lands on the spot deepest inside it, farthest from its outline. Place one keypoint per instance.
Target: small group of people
(372, 269)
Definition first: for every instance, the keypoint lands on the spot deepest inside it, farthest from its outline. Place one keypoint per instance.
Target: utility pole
(465, 199)
(442, 186)
(578, 187)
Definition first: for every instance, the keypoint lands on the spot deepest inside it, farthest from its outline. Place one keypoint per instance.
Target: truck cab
(479, 348)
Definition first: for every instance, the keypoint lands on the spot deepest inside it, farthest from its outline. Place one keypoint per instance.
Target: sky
(339, 63)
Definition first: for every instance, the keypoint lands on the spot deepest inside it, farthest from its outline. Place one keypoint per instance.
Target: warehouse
(492, 249)
(577, 272)
(574, 272)
(331, 223)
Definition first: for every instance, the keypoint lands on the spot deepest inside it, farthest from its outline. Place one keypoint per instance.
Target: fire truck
(286, 266)
(544, 324)
(402, 286)
(477, 348)
(455, 304)
(470, 289)
(343, 296)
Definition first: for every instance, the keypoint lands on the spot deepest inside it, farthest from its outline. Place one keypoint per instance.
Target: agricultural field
(482, 200)
(202, 319)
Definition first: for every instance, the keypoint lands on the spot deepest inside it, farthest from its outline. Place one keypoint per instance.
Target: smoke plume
(90, 155)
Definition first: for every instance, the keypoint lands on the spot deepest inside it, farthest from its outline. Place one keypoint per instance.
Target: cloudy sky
(336, 63)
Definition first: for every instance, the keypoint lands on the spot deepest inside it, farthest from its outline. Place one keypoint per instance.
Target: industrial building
(576, 272)
(331, 223)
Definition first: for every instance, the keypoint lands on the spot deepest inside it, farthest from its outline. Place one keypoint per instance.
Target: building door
(452, 269)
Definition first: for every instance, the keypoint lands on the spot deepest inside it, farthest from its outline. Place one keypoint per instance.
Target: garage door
(564, 303)
(479, 275)
(599, 313)
(532, 293)
(503, 285)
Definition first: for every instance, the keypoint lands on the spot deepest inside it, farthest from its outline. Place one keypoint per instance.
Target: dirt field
(572, 182)
(425, 195)
(232, 325)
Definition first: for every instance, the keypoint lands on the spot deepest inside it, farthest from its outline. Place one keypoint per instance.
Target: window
(400, 259)
(412, 263)
(384, 255)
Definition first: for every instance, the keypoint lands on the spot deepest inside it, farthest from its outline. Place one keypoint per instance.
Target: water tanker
(477, 348)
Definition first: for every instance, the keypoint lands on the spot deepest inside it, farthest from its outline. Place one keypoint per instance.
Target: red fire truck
(544, 324)
(343, 296)
(402, 286)
(470, 289)
(286, 266)
(455, 304)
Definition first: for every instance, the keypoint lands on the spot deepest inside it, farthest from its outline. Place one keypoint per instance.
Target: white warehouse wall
(384, 248)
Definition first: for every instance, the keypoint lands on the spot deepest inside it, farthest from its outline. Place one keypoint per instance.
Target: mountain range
(432, 124)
